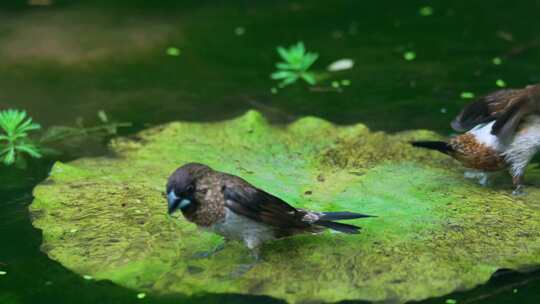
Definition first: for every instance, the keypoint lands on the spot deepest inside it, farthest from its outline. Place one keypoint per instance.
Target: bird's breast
(210, 207)
(238, 227)
(476, 153)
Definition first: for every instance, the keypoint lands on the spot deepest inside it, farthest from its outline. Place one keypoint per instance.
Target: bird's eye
(190, 188)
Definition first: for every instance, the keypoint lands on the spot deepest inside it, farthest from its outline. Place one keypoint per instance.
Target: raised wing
(488, 108)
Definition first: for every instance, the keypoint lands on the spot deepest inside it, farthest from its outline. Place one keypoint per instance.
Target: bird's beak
(175, 203)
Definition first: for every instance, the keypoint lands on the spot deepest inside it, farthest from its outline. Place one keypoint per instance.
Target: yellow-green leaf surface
(434, 233)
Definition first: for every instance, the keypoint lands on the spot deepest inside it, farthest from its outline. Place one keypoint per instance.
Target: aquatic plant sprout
(295, 65)
(14, 141)
(467, 95)
(500, 83)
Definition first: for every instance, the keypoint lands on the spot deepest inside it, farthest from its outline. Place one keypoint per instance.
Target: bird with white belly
(502, 131)
(231, 207)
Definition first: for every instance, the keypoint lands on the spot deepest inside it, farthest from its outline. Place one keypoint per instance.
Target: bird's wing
(494, 106)
(261, 206)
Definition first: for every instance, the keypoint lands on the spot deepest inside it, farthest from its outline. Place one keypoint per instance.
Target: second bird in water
(502, 131)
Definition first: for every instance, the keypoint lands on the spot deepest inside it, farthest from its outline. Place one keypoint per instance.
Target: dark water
(74, 58)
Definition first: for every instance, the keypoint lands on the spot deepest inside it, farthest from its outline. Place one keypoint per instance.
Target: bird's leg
(519, 155)
(254, 247)
(256, 254)
(517, 170)
(482, 177)
(207, 254)
(518, 185)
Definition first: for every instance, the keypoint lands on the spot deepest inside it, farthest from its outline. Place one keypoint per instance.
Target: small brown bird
(233, 208)
(502, 131)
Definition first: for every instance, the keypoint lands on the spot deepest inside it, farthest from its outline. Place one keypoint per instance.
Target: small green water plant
(16, 143)
(81, 132)
(14, 140)
(295, 65)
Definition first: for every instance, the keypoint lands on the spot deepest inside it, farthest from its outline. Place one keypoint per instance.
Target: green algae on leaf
(434, 233)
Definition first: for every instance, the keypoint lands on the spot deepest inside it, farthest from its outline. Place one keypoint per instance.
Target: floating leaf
(500, 83)
(497, 61)
(434, 233)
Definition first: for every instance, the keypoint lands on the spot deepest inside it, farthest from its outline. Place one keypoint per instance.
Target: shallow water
(72, 59)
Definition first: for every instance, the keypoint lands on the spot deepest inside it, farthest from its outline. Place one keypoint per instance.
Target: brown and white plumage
(506, 107)
(230, 206)
(502, 131)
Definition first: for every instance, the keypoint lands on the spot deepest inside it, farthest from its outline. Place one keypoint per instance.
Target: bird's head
(181, 188)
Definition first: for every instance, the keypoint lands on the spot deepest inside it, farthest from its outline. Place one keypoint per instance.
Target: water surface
(74, 58)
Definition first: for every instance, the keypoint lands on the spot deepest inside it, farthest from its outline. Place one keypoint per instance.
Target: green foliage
(80, 132)
(14, 141)
(295, 65)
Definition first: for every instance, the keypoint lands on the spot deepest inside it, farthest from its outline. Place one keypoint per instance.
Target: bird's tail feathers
(345, 228)
(326, 220)
(440, 146)
(334, 216)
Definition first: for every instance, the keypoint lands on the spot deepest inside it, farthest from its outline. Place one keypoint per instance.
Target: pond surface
(71, 59)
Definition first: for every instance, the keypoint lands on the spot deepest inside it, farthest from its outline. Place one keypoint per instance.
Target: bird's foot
(207, 254)
(242, 269)
(519, 191)
(481, 177)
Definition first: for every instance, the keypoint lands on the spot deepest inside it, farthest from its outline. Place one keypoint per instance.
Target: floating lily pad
(435, 232)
